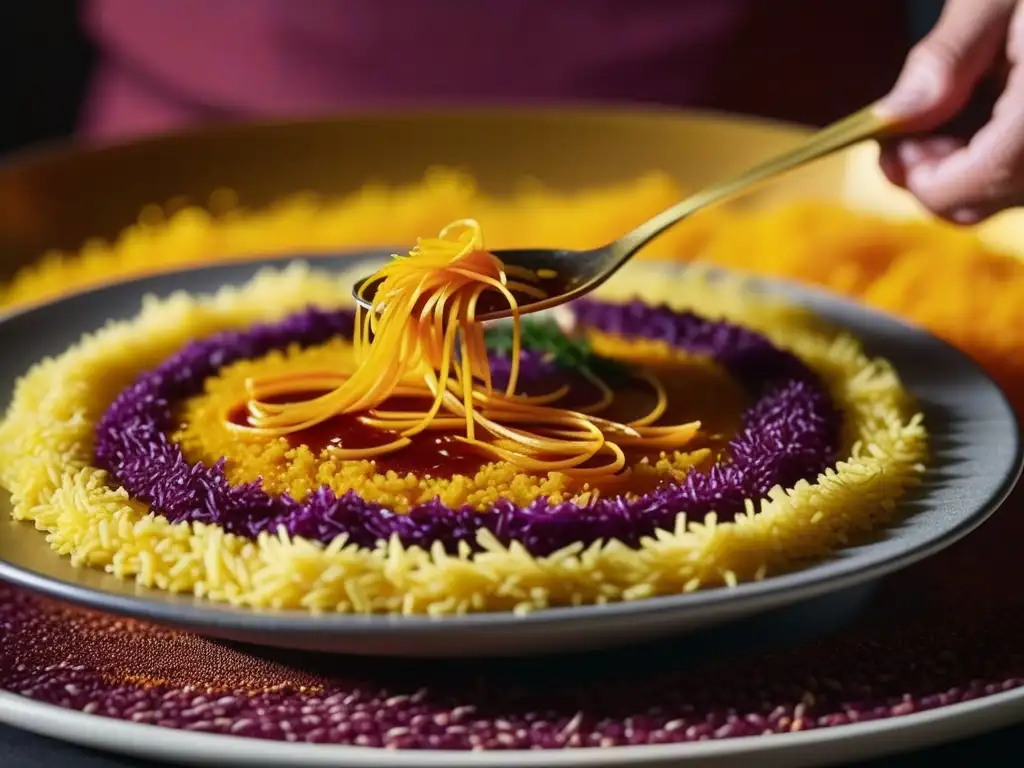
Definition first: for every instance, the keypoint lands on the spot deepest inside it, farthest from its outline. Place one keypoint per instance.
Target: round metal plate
(827, 746)
(977, 459)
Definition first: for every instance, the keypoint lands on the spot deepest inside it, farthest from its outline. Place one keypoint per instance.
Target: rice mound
(46, 454)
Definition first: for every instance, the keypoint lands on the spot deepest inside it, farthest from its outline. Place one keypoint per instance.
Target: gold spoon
(570, 274)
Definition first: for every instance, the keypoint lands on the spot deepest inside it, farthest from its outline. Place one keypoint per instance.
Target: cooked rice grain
(298, 471)
(916, 269)
(46, 445)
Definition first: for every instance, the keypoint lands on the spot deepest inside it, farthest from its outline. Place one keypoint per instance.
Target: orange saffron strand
(421, 338)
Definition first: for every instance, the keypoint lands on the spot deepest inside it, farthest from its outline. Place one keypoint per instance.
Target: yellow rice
(45, 453)
(299, 471)
(935, 274)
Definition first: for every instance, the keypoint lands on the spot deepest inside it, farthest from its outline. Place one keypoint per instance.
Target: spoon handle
(864, 124)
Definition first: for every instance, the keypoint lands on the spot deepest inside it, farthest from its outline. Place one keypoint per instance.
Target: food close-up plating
(677, 433)
(406, 459)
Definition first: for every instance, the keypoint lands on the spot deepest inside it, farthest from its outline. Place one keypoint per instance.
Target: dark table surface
(25, 750)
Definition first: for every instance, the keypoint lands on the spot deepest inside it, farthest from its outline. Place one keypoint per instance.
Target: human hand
(964, 176)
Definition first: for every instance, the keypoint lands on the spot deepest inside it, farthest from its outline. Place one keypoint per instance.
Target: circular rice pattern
(791, 433)
(47, 460)
(697, 390)
(905, 656)
(894, 662)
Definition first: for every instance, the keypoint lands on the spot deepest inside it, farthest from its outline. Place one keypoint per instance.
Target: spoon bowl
(563, 275)
(566, 275)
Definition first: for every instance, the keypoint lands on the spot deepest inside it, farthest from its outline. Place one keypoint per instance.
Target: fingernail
(939, 147)
(911, 152)
(917, 90)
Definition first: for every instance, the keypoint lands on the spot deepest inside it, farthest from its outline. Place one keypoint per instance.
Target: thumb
(942, 70)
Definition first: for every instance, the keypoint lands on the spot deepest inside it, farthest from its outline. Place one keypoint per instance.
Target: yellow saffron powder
(711, 396)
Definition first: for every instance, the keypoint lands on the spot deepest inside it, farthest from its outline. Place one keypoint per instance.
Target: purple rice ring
(829, 445)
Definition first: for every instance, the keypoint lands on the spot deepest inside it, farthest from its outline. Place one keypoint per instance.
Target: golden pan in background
(571, 178)
(60, 197)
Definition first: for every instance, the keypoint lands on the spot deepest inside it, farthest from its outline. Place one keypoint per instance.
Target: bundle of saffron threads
(421, 342)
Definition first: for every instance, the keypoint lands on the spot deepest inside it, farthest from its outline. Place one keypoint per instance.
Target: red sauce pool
(435, 453)
(438, 453)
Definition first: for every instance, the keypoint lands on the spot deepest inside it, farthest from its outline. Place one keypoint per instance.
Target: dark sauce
(582, 392)
(440, 454)
(434, 453)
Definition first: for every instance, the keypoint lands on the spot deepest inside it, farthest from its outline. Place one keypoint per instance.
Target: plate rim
(861, 740)
(776, 591)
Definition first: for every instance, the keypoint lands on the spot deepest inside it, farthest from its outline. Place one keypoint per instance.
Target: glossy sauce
(436, 453)
(439, 453)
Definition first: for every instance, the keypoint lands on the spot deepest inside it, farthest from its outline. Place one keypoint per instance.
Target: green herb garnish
(546, 337)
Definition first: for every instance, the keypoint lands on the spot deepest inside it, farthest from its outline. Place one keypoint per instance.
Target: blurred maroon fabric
(165, 64)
